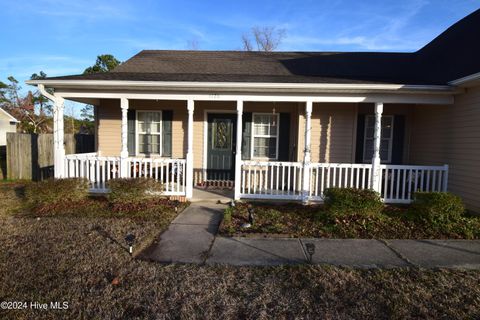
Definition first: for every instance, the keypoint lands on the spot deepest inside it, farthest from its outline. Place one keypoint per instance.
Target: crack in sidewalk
(397, 253)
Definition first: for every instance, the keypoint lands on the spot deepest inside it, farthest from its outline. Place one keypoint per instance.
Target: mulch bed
(296, 220)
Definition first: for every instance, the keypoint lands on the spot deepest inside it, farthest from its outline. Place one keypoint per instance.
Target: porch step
(217, 184)
(212, 195)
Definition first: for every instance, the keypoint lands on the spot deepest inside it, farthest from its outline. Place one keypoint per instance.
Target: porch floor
(212, 195)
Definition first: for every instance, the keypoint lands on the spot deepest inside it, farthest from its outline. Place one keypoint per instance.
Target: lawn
(296, 220)
(83, 260)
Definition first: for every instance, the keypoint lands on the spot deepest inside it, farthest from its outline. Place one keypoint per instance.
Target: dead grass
(79, 259)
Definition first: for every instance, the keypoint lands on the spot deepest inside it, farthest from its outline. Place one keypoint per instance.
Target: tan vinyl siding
(109, 124)
(451, 135)
(333, 132)
(109, 128)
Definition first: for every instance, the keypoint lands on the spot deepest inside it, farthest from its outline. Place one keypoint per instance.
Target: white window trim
(137, 133)
(390, 145)
(253, 136)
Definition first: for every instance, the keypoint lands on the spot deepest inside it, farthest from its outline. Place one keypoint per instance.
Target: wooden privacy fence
(30, 156)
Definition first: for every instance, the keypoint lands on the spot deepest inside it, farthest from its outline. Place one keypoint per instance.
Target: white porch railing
(398, 182)
(342, 175)
(283, 180)
(98, 170)
(171, 172)
(271, 180)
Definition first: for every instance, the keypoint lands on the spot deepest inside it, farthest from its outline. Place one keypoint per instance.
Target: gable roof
(8, 115)
(452, 55)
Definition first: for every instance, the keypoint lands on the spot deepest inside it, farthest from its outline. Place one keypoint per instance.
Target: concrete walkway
(191, 239)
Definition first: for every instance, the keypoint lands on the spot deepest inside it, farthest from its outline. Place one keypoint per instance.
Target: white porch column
(124, 151)
(307, 153)
(58, 137)
(189, 173)
(238, 151)
(376, 171)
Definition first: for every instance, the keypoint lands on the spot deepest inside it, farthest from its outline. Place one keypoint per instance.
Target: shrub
(344, 202)
(437, 208)
(54, 191)
(227, 215)
(133, 190)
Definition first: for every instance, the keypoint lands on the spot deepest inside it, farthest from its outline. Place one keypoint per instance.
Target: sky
(63, 37)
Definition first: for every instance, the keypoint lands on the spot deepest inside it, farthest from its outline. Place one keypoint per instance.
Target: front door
(221, 146)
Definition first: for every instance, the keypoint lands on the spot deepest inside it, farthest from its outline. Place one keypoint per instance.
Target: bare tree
(265, 38)
(247, 43)
(192, 44)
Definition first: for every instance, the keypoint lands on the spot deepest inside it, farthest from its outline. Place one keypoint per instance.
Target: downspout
(58, 139)
(45, 93)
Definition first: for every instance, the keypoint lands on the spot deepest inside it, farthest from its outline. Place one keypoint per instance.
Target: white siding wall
(6, 126)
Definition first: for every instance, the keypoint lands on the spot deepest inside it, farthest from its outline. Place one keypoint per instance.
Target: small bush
(344, 202)
(133, 190)
(54, 191)
(438, 209)
(227, 215)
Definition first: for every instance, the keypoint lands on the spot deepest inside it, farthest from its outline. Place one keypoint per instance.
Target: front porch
(266, 180)
(295, 168)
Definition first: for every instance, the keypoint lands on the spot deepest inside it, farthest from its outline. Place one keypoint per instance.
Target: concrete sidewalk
(362, 253)
(191, 239)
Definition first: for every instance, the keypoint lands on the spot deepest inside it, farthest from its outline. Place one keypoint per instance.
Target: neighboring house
(7, 124)
(287, 125)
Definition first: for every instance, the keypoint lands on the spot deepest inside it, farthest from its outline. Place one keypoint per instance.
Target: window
(265, 136)
(385, 141)
(149, 132)
(222, 134)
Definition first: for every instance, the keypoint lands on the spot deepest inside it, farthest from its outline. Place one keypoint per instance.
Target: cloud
(384, 28)
(85, 9)
(353, 42)
(22, 67)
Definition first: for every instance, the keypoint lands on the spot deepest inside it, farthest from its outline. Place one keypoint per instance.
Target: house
(7, 124)
(286, 125)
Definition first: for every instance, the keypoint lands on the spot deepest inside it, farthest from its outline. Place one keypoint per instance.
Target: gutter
(237, 85)
(44, 92)
(465, 80)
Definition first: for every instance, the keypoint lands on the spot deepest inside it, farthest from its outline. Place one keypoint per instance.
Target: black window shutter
(247, 134)
(284, 137)
(360, 138)
(131, 115)
(167, 117)
(398, 139)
